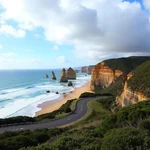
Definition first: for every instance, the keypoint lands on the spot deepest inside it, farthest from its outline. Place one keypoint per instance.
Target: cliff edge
(126, 77)
(137, 86)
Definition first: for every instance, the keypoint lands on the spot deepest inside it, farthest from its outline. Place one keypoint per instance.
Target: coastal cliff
(130, 97)
(127, 79)
(87, 69)
(136, 87)
(103, 76)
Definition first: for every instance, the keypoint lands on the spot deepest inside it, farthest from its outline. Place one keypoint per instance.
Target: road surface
(79, 112)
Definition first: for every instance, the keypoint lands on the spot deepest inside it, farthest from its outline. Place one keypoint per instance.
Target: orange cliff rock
(128, 96)
(103, 76)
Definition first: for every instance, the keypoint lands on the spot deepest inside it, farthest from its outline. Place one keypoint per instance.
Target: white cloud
(1, 46)
(61, 59)
(10, 30)
(92, 26)
(55, 47)
(9, 54)
(146, 4)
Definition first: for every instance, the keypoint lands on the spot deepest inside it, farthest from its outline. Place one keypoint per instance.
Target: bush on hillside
(87, 94)
(126, 138)
(129, 116)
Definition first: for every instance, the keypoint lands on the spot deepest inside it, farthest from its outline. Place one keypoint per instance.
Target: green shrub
(106, 102)
(87, 94)
(18, 119)
(128, 116)
(126, 138)
(144, 125)
(17, 140)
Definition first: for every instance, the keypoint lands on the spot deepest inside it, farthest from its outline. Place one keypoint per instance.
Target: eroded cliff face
(129, 96)
(87, 69)
(103, 76)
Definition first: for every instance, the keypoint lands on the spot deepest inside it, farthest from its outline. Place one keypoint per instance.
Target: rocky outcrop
(70, 83)
(103, 76)
(129, 96)
(53, 76)
(63, 76)
(71, 74)
(87, 69)
(46, 76)
(84, 69)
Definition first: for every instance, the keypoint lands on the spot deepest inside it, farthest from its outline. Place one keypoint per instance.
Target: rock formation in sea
(53, 76)
(63, 77)
(48, 91)
(71, 74)
(47, 76)
(70, 83)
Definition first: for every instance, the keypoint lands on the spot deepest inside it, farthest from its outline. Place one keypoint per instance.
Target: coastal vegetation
(87, 94)
(141, 76)
(128, 128)
(126, 64)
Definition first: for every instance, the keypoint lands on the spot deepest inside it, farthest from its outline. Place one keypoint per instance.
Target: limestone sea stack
(63, 76)
(71, 74)
(53, 76)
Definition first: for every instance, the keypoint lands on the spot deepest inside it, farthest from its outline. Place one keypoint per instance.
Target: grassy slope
(140, 81)
(126, 64)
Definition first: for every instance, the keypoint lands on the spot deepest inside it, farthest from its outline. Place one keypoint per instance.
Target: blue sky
(48, 34)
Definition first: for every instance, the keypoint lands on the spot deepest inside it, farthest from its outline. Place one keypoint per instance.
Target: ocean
(22, 90)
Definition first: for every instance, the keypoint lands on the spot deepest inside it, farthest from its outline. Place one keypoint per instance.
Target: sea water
(22, 90)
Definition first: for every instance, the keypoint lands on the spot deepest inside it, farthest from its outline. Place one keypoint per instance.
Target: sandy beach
(50, 106)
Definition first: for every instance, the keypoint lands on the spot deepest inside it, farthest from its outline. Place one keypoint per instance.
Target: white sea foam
(24, 100)
(25, 106)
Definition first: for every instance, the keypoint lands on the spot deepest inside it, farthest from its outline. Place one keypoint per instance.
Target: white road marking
(68, 118)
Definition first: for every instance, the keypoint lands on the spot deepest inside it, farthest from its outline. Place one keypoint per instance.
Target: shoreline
(50, 106)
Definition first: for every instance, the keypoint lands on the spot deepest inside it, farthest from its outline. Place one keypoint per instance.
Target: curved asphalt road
(78, 113)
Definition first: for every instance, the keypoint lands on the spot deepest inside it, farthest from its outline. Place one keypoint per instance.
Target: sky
(49, 34)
